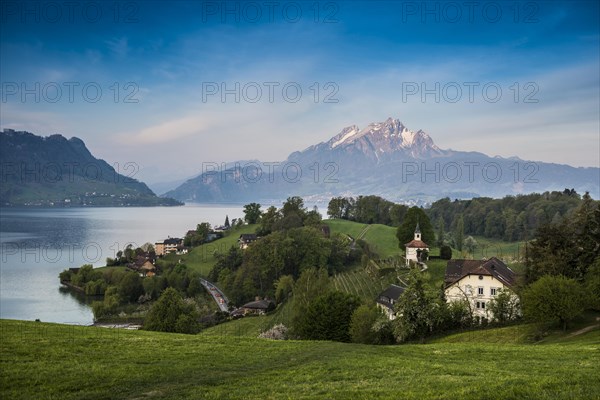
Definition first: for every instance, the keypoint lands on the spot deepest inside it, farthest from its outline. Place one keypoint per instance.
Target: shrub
(328, 317)
(445, 252)
(171, 313)
(370, 326)
(278, 332)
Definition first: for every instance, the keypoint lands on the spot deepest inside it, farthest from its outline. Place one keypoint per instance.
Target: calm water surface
(37, 244)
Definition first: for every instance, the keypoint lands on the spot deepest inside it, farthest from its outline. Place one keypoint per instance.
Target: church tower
(415, 247)
(417, 232)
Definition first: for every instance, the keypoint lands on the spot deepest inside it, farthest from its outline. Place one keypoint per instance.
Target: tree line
(511, 218)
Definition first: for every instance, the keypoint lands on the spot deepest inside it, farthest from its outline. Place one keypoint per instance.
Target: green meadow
(50, 361)
(202, 258)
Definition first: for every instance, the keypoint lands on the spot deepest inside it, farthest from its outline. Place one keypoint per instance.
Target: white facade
(478, 290)
(414, 247)
(411, 254)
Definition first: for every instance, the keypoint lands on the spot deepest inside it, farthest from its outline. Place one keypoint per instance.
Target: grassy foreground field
(48, 361)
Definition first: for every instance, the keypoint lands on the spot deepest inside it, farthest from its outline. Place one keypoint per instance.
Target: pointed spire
(417, 231)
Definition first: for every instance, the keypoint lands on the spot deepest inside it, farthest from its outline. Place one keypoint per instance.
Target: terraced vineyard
(360, 283)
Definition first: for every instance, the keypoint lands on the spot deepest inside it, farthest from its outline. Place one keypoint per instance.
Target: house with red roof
(416, 250)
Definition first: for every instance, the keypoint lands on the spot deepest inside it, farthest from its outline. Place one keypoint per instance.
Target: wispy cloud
(119, 46)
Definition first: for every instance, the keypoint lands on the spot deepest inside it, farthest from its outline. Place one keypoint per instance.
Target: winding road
(219, 297)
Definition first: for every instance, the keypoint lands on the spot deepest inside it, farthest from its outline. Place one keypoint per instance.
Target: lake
(37, 244)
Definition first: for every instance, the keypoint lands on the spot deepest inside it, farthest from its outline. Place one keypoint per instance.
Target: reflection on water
(81, 298)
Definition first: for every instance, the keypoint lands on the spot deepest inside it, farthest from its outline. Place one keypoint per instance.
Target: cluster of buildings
(476, 281)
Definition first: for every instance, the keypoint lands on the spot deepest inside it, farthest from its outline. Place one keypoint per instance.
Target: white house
(416, 247)
(478, 282)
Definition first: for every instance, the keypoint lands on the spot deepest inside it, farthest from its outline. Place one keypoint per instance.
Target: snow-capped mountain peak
(386, 137)
(345, 135)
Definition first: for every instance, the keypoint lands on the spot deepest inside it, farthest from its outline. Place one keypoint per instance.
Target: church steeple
(418, 232)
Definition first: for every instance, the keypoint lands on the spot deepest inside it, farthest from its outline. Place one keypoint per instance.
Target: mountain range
(55, 171)
(386, 159)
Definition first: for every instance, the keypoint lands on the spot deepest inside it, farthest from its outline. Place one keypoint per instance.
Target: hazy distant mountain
(54, 171)
(386, 159)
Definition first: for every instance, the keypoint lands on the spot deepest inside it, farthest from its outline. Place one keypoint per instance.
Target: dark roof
(247, 237)
(392, 292)
(418, 228)
(417, 243)
(457, 269)
(259, 305)
(172, 241)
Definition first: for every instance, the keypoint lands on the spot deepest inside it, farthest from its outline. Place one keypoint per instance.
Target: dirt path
(363, 232)
(586, 329)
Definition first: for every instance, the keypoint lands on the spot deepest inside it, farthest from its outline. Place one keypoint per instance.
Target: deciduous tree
(252, 213)
(554, 299)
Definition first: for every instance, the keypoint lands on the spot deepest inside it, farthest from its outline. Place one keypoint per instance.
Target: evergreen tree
(440, 232)
(459, 233)
(406, 231)
(227, 224)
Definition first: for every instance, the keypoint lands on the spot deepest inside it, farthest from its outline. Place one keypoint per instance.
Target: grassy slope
(202, 258)
(251, 327)
(528, 333)
(382, 238)
(57, 361)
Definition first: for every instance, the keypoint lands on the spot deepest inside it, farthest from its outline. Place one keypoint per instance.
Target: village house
(147, 269)
(416, 249)
(144, 265)
(213, 235)
(258, 306)
(478, 282)
(246, 239)
(387, 300)
(167, 246)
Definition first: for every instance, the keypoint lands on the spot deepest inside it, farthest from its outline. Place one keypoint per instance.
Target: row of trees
(367, 210)
(511, 218)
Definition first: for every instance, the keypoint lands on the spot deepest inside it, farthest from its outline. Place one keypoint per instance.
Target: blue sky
(354, 62)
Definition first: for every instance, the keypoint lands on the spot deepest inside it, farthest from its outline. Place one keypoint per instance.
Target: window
(480, 305)
(493, 291)
(480, 277)
(480, 291)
